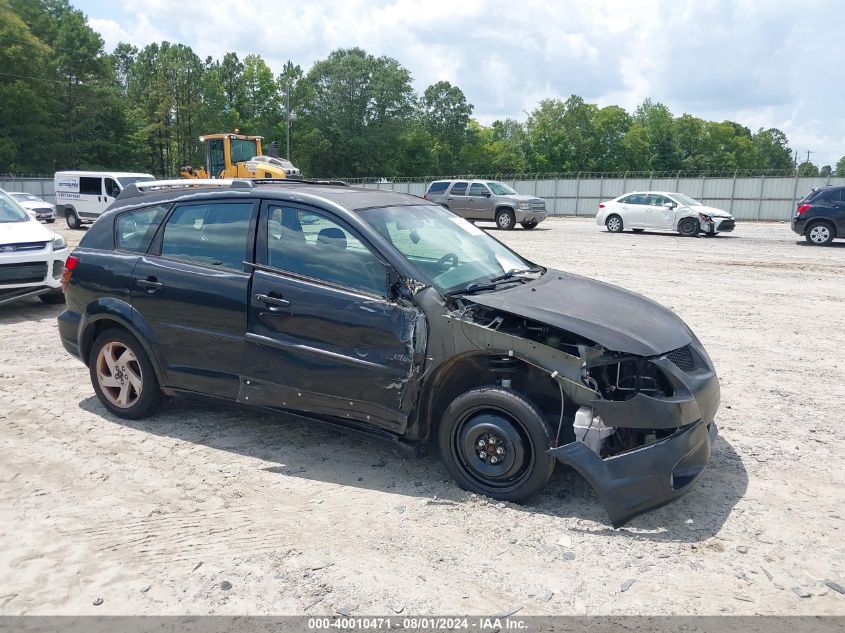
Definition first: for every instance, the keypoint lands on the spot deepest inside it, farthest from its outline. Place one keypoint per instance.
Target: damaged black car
(378, 310)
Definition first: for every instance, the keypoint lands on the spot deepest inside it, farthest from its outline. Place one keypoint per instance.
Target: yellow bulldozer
(238, 156)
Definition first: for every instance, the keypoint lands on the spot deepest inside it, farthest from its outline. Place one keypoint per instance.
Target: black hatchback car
(385, 312)
(820, 216)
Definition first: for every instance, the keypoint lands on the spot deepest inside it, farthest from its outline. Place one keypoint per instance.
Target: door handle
(150, 284)
(449, 199)
(98, 199)
(273, 303)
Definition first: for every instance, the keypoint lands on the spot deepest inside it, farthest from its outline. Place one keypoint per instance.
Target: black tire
(638, 230)
(614, 223)
(819, 233)
(149, 398)
(50, 221)
(529, 225)
(505, 219)
(52, 298)
(688, 227)
(503, 419)
(73, 221)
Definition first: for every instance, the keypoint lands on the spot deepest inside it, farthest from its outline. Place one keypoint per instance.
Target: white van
(82, 196)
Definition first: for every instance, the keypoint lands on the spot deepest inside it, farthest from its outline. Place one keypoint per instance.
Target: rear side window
(459, 189)
(836, 195)
(317, 246)
(212, 234)
(636, 198)
(438, 187)
(134, 230)
(91, 186)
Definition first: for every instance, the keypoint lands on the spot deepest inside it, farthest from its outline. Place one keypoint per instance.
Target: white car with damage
(662, 211)
(32, 257)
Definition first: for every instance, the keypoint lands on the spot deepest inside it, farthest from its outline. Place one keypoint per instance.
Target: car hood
(712, 211)
(32, 204)
(617, 319)
(29, 231)
(522, 197)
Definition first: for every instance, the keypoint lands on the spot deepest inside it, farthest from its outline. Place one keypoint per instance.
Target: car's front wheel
(493, 441)
(73, 221)
(123, 375)
(505, 219)
(529, 225)
(614, 223)
(688, 227)
(819, 234)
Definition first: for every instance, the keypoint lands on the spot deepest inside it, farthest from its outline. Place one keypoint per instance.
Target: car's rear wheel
(614, 223)
(73, 221)
(688, 227)
(493, 441)
(505, 219)
(819, 234)
(529, 225)
(123, 375)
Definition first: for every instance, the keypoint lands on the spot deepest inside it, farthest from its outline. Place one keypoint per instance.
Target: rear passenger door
(323, 335)
(190, 293)
(456, 198)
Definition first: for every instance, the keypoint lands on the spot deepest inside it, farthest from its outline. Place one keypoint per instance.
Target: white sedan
(662, 211)
(36, 207)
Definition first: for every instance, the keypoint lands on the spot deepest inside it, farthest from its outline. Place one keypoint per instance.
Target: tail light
(802, 209)
(601, 205)
(70, 265)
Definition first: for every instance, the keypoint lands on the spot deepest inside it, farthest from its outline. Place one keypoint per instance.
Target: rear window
(459, 189)
(134, 230)
(438, 187)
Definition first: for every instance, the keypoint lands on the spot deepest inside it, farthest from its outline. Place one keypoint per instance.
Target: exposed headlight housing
(59, 242)
(704, 217)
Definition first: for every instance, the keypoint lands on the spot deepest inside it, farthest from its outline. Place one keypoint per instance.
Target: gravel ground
(208, 509)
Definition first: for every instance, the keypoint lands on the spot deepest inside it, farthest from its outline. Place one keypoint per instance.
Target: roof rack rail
(298, 181)
(140, 188)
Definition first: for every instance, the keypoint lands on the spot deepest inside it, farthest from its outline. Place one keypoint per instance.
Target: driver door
(479, 202)
(323, 335)
(660, 216)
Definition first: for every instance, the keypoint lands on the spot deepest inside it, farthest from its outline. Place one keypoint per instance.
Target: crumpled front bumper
(645, 478)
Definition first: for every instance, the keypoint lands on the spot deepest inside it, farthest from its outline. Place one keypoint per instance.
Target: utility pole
(808, 155)
(289, 116)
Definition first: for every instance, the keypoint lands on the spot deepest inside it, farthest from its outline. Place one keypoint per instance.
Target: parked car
(82, 196)
(820, 215)
(392, 315)
(37, 207)
(31, 256)
(663, 211)
(488, 200)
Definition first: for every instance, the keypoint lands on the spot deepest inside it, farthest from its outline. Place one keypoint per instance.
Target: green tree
(840, 167)
(807, 169)
(826, 171)
(354, 112)
(771, 150)
(656, 120)
(444, 114)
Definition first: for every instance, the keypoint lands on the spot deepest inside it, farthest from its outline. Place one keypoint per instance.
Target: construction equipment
(239, 156)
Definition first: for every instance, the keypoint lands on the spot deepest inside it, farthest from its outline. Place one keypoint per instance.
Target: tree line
(67, 103)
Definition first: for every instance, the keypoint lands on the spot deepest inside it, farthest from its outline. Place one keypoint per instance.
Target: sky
(762, 63)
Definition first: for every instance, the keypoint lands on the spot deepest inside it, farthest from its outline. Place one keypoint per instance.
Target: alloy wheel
(820, 234)
(119, 374)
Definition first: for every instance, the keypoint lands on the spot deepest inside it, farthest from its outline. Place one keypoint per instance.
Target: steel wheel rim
(613, 224)
(496, 471)
(119, 375)
(819, 234)
(504, 220)
(687, 227)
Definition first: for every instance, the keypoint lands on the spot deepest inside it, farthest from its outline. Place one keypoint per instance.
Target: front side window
(134, 230)
(91, 186)
(215, 157)
(314, 245)
(242, 150)
(112, 188)
(477, 189)
(657, 201)
(11, 211)
(459, 189)
(213, 234)
(448, 251)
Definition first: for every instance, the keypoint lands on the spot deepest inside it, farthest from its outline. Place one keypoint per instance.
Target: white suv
(32, 257)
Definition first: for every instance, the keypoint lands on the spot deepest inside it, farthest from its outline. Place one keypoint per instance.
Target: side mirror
(487, 194)
(396, 286)
(669, 205)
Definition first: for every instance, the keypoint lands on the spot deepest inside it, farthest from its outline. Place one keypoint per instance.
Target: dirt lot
(292, 517)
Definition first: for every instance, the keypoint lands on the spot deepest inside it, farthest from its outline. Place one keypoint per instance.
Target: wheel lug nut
(494, 459)
(480, 443)
(500, 451)
(482, 455)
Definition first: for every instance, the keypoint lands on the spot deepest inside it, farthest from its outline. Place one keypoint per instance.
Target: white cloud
(763, 63)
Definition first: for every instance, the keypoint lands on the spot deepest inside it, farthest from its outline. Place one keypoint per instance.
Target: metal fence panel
(41, 187)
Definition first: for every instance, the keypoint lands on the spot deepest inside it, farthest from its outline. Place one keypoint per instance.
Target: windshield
(128, 180)
(449, 251)
(23, 196)
(242, 150)
(686, 200)
(11, 211)
(500, 189)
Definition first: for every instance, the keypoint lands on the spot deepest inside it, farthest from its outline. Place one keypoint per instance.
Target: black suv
(382, 311)
(820, 216)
